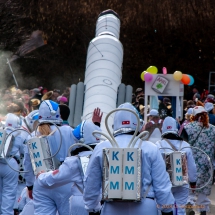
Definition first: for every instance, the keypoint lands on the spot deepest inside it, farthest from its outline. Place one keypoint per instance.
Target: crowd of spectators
(194, 101)
(14, 100)
(193, 98)
(26, 100)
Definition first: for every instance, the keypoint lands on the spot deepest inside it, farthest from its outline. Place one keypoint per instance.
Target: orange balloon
(185, 79)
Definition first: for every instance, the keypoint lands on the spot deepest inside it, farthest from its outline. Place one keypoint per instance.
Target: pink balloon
(164, 70)
(148, 77)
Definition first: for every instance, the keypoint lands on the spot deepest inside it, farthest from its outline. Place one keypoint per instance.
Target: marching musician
(153, 126)
(9, 177)
(201, 134)
(155, 180)
(171, 139)
(71, 170)
(48, 201)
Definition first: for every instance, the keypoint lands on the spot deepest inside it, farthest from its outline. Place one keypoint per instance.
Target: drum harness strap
(149, 186)
(82, 176)
(13, 156)
(79, 165)
(173, 147)
(26, 125)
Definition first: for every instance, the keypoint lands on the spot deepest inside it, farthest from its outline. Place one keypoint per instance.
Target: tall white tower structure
(103, 67)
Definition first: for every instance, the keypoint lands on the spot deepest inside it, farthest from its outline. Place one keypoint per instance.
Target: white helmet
(13, 121)
(124, 121)
(83, 132)
(169, 126)
(49, 111)
(31, 118)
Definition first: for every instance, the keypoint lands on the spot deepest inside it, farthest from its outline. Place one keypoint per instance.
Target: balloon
(142, 75)
(164, 70)
(191, 80)
(152, 70)
(185, 79)
(177, 75)
(148, 77)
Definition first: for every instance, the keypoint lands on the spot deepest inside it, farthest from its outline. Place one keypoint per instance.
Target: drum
(176, 166)
(7, 145)
(40, 154)
(122, 174)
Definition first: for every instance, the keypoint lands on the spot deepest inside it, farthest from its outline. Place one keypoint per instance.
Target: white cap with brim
(153, 112)
(169, 126)
(209, 106)
(198, 109)
(189, 111)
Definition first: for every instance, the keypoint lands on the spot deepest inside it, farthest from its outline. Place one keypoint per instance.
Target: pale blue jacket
(54, 141)
(153, 173)
(192, 172)
(18, 144)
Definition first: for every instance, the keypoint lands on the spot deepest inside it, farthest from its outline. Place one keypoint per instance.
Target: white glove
(96, 209)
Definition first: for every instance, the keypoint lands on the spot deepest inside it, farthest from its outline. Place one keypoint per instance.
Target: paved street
(212, 198)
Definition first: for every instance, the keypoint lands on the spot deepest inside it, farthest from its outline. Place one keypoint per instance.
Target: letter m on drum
(178, 170)
(178, 178)
(38, 164)
(129, 171)
(36, 155)
(114, 171)
(129, 187)
(114, 186)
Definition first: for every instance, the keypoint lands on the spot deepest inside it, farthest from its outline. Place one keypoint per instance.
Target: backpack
(5, 147)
